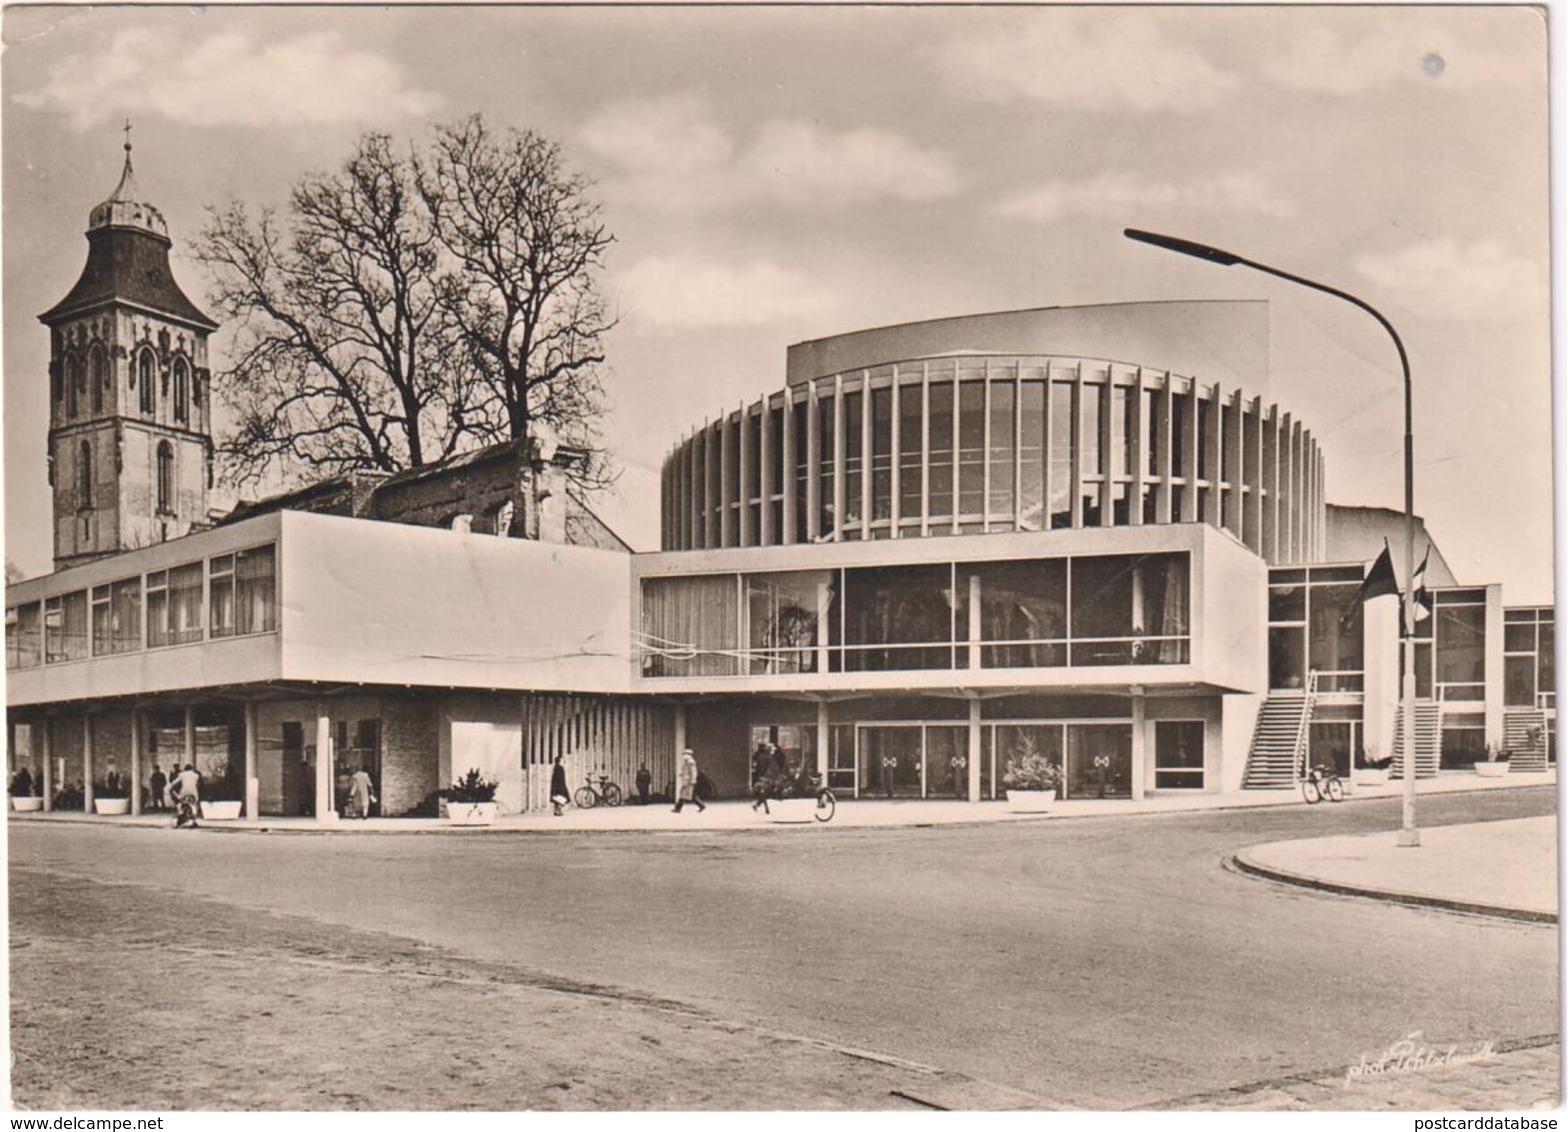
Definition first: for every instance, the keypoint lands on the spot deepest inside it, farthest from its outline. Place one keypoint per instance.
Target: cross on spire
(127, 130)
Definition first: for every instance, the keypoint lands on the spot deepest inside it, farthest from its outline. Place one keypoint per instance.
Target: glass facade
(1315, 625)
(1088, 611)
(163, 607)
(979, 444)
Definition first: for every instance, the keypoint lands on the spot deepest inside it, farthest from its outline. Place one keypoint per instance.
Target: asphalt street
(1098, 963)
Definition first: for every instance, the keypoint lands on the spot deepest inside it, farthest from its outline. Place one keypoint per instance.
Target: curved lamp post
(1409, 835)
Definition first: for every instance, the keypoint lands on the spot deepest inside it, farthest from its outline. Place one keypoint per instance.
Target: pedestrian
(560, 793)
(186, 790)
(686, 782)
(22, 784)
(156, 786)
(644, 784)
(761, 764)
(361, 793)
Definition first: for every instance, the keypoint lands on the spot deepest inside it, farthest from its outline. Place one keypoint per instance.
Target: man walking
(157, 786)
(686, 782)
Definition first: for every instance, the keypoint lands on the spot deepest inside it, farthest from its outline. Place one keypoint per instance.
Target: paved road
(1097, 963)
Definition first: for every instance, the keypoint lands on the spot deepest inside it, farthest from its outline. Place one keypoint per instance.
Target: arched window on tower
(146, 371)
(165, 477)
(97, 376)
(73, 382)
(84, 475)
(182, 391)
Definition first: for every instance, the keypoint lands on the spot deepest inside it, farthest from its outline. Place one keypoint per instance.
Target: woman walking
(559, 793)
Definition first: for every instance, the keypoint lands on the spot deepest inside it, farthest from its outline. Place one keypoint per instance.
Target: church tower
(130, 394)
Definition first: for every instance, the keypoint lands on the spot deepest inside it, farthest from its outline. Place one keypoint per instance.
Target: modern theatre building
(1085, 532)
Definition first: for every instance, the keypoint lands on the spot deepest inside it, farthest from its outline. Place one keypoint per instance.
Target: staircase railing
(1298, 759)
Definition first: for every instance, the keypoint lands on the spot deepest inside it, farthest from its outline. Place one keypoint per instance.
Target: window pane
(1461, 644)
(1130, 609)
(1031, 486)
(1003, 441)
(827, 521)
(1335, 635)
(802, 462)
(882, 453)
(971, 447)
(1519, 687)
(690, 626)
(1089, 407)
(781, 615)
(910, 425)
(1061, 454)
(253, 591)
(1519, 638)
(1287, 603)
(184, 604)
(903, 605)
(942, 450)
(1023, 607)
(854, 444)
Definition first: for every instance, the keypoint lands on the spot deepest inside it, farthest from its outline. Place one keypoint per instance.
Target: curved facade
(969, 441)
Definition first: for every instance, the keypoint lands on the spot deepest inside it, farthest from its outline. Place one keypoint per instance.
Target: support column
(252, 779)
(972, 631)
(1141, 767)
(190, 737)
(87, 762)
(324, 810)
(47, 735)
(823, 735)
(136, 761)
(975, 748)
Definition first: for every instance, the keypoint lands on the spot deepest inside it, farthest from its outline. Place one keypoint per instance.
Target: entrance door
(890, 759)
(947, 762)
(1099, 760)
(299, 772)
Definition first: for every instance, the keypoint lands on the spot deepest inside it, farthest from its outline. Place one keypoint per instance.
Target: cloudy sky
(774, 175)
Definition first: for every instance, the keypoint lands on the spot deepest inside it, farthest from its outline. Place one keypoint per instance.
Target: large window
(174, 606)
(84, 475)
(243, 587)
(1036, 613)
(182, 391)
(23, 636)
(1031, 453)
(146, 371)
(117, 617)
(941, 453)
(97, 375)
(971, 449)
(1003, 448)
(854, 451)
(1315, 625)
(1061, 455)
(65, 627)
(165, 477)
(911, 483)
(882, 455)
(898, 617)
(1461, 645)
(1528, 640)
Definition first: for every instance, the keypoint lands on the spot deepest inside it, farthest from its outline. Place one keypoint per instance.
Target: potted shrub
(23, 800)
(471, 800)
(1032, 780)
(221, 782)
(1369, 771)
(1496, 764)
(111, 794)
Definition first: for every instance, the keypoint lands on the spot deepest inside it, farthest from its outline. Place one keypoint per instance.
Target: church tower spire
(130, 427)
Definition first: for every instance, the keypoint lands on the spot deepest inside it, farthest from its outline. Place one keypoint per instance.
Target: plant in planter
(23, 799)
(111, 794)
(1032, 779)
(471, 800)
(222, 791)
(1496, 764)
(1369, 771)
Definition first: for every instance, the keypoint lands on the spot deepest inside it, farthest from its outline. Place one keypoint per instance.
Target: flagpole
(1409, 835)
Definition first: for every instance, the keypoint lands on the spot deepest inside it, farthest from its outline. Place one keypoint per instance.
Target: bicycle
(605, 794)
(1321, 782)
(827, 805)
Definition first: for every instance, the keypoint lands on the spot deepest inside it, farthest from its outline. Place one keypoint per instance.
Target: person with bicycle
(186, 790)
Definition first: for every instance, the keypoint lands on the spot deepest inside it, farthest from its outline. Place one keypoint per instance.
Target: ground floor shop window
(1464, 743)
(781, 750)
(1178, 754)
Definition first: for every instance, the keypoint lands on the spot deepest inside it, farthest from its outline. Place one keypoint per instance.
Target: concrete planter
(111, 806)
(27, 805)
(1031, 801)
(1499, 769)
(1366, 776)
(792, 811)
(471, 813)
(220, 811)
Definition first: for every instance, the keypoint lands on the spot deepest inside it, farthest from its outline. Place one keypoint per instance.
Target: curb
(1245, 864)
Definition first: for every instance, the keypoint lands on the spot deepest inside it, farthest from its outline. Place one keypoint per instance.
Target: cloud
(672, 154)
(1359, 58)
(1100, 60)
(1448, 279)
(1119, 194)
(229, 79)
(684, 292)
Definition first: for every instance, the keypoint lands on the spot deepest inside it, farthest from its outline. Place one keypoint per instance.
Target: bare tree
(526, 245)
(341, 360)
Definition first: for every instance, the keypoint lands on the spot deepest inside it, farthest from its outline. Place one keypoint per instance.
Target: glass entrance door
(947, 762)
(890, 758)
(1099, 760)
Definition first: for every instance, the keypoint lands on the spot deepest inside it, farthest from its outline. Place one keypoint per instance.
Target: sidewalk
(851, 813)
(1499, 868)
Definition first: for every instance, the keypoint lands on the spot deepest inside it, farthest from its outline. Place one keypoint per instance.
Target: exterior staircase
(1528, 757)
(1429, 739)
(1279, 739)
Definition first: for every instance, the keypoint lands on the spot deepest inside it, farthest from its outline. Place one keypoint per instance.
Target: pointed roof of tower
(128, 259)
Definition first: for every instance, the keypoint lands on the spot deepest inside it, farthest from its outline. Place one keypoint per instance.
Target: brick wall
(410, 772)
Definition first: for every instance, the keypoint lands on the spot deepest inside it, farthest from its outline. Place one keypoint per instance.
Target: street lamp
(1409, 835)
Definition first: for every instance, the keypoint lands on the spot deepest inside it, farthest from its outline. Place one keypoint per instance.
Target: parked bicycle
(826, 803)
(605, 793)
(1322, 782)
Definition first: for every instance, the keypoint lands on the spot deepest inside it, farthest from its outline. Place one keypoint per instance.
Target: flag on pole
(1379, 582)
(1421, 605)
